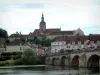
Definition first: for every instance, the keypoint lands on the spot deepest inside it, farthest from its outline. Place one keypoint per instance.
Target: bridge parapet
(73, 52)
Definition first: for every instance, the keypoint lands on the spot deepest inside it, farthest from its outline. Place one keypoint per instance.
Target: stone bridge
(75, 59)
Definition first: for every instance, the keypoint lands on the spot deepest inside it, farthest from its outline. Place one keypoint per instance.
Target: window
(20, 48)
(79, 42)
(68, 46)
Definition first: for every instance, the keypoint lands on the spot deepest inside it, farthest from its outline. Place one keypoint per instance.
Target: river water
(47, 70)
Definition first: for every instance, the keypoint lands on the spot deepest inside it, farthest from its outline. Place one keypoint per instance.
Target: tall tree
(3, 33)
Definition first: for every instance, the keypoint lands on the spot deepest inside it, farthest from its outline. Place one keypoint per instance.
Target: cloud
(68, 14)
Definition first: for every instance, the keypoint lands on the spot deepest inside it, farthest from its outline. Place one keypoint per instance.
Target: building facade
(75, 43)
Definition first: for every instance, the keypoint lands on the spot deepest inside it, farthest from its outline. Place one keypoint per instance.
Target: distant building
(60, 33)
(42, 31)
(16, 45)
(57, 46)
(54, 32)
(48, 33)
(14, 36)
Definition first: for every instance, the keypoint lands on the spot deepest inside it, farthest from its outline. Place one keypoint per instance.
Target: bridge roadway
(75, 59)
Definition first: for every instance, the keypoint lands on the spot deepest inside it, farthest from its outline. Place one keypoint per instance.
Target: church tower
(42, 23)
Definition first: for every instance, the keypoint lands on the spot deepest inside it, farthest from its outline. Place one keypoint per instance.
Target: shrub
(29, 57)
(18, 62)
(2, 64)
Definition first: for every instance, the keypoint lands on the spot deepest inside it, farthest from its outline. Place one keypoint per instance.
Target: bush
(18, 62)
(3, 64)
(29, 57)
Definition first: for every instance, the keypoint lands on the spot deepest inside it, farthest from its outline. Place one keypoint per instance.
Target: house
(56, 46)
(16, 45)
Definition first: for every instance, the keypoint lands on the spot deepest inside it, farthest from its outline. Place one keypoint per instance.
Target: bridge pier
(57, 61)
(82, 62)
(67, 62)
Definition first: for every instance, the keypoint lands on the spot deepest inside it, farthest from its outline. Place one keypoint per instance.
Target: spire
(42, 14)
(42, 18)
(42, 23)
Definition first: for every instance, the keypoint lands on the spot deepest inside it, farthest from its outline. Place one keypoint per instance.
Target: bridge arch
(53, 61)
(93, 61)
(63, 61)
(75, 61)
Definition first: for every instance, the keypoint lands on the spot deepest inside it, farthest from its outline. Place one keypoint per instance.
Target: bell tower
(42, 23)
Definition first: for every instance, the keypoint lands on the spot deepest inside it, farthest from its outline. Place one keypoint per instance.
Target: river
(46, 70)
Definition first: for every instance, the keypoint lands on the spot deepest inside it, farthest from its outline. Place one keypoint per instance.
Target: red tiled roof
(94, 37)
(72, 38)
(37, 32)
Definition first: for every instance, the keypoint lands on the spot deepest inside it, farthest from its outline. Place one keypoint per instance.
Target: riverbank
(21, 66)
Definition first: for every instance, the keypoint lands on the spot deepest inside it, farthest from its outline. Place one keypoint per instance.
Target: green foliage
(3, 33)
(41, 41)
(8, 55)
(2, 64)
(18, 62)
(23, 39)
(29, 57)
(17, 56)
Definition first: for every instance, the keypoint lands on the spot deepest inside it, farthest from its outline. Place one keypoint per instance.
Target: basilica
(54, 32)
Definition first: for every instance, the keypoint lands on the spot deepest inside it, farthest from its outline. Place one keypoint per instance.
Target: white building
(75, 43)
(57, 46)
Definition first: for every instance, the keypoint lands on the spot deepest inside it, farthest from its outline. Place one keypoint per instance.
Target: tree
(29, 57)
(3, 33)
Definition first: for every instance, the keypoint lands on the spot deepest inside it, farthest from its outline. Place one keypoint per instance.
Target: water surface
(47, 70)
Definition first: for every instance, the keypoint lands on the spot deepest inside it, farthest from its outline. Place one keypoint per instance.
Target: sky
(25, 15)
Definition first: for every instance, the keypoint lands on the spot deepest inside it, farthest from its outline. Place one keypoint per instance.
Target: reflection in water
(94, 70)
(49, 70)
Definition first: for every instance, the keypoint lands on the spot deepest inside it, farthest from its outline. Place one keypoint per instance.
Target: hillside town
(46, 42)
(74, 40)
